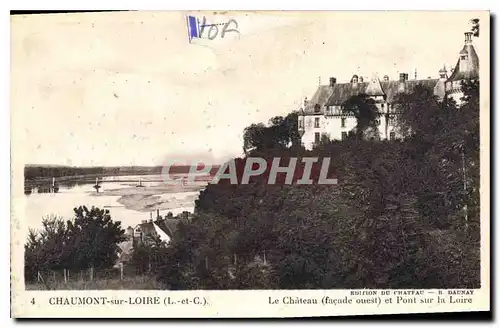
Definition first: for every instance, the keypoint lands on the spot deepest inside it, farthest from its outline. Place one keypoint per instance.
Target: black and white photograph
(251, 151)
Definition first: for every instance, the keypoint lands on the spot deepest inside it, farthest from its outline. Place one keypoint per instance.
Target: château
(324, 113)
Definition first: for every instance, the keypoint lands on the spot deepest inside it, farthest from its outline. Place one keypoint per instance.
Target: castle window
(342, 122)
(301, 123)
(316, 122)
(382, 106)
(316, 137)
(344, 135)
(392, 136)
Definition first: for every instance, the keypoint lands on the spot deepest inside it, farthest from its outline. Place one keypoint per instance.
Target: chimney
(386, 78)
(150, 220)
(332, 82)
(468, 37)
(144, 221)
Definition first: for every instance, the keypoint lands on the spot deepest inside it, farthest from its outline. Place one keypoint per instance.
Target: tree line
(32, 172)
(89, 240)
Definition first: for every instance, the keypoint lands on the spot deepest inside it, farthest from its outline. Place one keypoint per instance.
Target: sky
(131, 89)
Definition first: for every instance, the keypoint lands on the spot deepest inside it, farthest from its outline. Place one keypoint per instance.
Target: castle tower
(440, 87)
(467, 68)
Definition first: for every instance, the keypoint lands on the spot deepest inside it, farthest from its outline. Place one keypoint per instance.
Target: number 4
(33, 301)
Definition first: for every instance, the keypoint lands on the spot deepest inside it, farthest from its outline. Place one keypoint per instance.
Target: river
(129, 199)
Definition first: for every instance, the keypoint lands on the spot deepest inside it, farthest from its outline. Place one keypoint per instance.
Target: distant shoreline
(38, 175)
(84, 177)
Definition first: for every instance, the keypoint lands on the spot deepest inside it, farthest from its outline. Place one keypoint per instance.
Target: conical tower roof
(471, 68)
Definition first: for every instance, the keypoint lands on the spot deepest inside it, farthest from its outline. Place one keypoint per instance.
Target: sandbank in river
(157, 197)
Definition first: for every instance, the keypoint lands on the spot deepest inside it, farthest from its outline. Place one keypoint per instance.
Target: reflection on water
(48, 187)
(41, 201)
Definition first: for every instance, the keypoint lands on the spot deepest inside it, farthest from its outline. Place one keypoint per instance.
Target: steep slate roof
(341, 92)
(472, 71)
(391, 89)
(164, 226)
(173, 224)
(147, 228)
(319, 98)
(410, 86)
(169, 226)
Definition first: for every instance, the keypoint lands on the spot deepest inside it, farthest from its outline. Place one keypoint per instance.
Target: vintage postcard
(249, 164)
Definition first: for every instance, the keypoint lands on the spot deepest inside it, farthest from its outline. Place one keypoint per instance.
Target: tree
(88, 241)
(420, 113)
(475, 27)
(324, 140)
(366, 113)
(93, 236)
(46, 249)
(281, 133)
(469, 127)
(149, 256)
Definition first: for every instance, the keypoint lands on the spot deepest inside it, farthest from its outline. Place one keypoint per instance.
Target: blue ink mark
(196, 29)
(192, 27)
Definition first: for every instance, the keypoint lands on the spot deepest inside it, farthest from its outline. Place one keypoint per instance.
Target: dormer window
(463, 57)
(317, 107)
